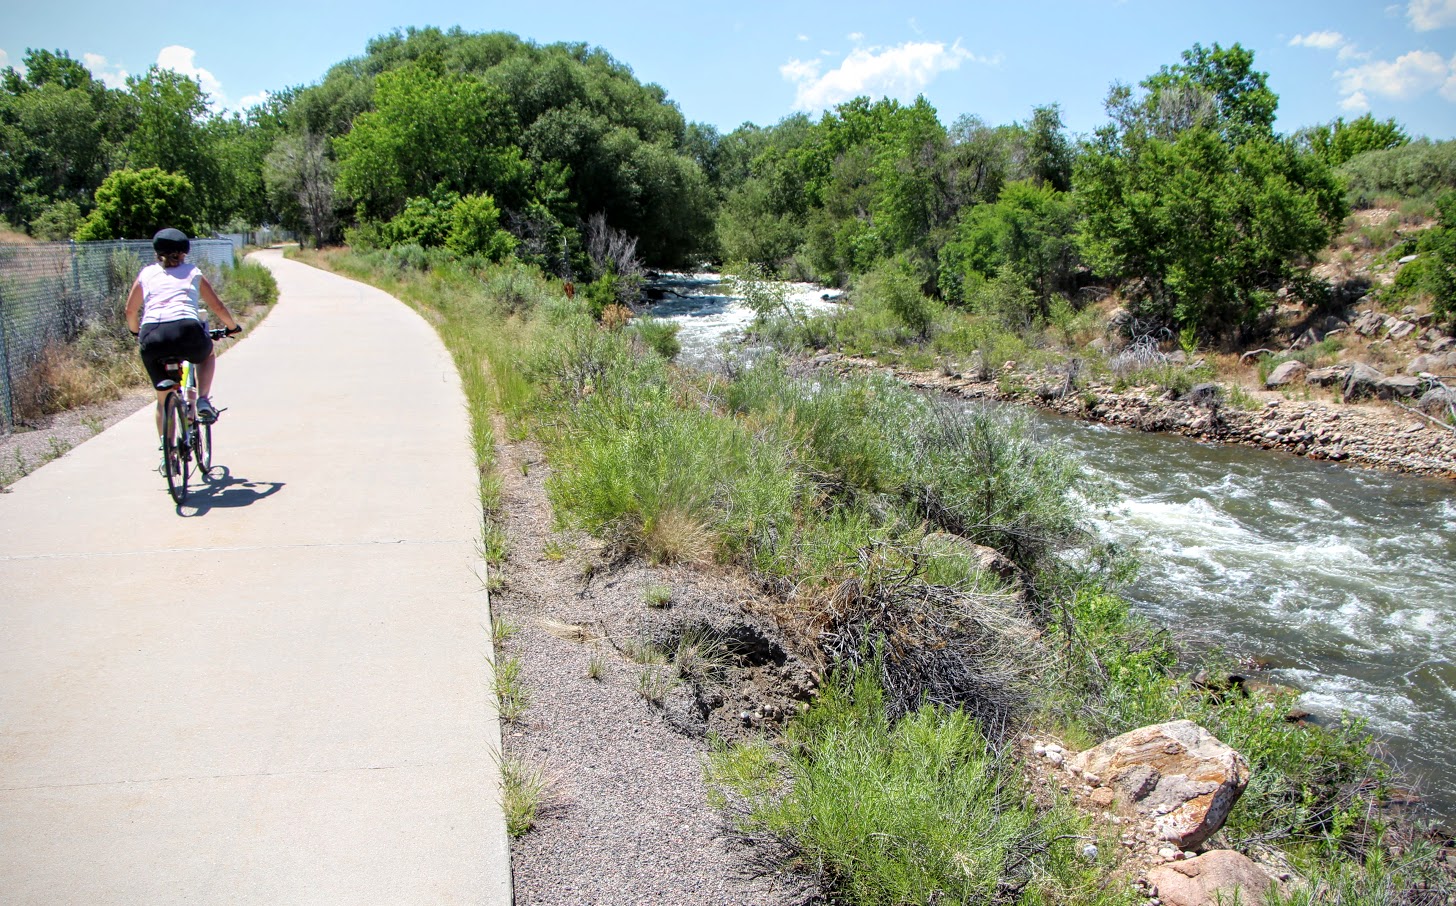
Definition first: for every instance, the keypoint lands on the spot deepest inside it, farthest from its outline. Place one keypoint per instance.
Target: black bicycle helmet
(170, 240)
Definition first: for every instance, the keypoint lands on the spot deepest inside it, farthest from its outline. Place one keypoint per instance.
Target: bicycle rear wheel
(175, 454)
(202, 448)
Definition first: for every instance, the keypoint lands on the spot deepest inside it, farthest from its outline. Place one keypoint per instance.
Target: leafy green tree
(429, 129)
(1029, 234)
(171, 134)
(1190, 193)
(300, 182)
(1210, 230)
(475, 229)
(1338, 142)
(134, 204)
(1440, 244)
(1046, 154)
(60, 131)
(1215, 88)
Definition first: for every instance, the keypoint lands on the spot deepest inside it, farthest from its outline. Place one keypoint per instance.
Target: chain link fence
(51, 292)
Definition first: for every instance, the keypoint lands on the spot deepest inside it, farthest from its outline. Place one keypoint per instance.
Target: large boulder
(1400, 386)
(1216, 877)
(1323, 377)
(1425, 362)
(1177, 773)
(1368, 323)
(1361, 382)
(1285, 374)
(1437, 401)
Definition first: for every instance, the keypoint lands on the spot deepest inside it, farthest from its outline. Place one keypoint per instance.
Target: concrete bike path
(278, 692)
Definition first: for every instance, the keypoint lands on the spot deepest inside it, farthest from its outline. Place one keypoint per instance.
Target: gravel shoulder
(625, 818)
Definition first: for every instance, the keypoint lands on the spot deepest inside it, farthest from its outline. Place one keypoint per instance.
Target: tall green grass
(916, 811)
(825, 488)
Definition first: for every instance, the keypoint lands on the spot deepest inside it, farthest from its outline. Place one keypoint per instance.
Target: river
(1341, 580)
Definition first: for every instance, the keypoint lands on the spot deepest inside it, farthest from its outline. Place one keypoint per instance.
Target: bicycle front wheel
(202, 448)
(175, 453)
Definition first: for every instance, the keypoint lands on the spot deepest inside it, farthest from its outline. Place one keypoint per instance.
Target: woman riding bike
(162, 308)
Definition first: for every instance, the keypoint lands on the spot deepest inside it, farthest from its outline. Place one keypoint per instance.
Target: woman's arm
(216, 306)
(134, 308)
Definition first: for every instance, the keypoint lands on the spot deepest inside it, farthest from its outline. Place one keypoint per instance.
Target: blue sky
(760, 60)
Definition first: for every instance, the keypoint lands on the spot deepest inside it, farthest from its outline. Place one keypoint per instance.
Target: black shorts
(184, 339)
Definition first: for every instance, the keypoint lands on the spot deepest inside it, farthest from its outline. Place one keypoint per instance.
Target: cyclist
(162, 309)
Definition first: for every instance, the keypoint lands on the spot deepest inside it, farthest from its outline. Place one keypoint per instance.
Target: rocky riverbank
(1373, 434)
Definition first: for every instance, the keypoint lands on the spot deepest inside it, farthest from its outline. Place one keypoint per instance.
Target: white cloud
(4, 58)
(1320, 40)
(803, 37)
(1448, 90)
(180, 60)
(900, 72)
(855, 36)
(253, 100)
(1356, 103)
(1427, 15)
(1411, 75)
(110, 75)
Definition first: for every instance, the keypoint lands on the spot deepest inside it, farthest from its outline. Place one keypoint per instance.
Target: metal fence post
(7, 399)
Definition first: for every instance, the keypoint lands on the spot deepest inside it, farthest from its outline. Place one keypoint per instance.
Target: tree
(1210, 230)
(1028, 235)
(475, 229)
(430, 129)
(300, 181)
(134, 204)
(1242, 105)
(1337, 142)
(1440, 244)
(171, 134)
(1190, 193)
(59, 135)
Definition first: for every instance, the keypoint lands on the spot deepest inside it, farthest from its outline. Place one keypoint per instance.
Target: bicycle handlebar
(217, 333)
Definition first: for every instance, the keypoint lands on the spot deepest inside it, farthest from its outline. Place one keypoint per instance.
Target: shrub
(247, 284)
(915, 811)
(658, 335)
(475, 229)
(134, 204)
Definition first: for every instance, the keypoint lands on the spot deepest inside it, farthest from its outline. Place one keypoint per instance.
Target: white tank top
(169, 294)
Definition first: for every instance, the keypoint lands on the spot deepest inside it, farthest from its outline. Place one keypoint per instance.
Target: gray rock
(1323, 377)
(1437, 401)
(1401, 386)
(1361, 381)
(1401, 329)
(1423, 363)
(1306, 339)
(1287, 373)
(1368, 323)
(1407, 259)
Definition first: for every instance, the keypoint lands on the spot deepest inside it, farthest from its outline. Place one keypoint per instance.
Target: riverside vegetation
(472, 174)
(900, 783)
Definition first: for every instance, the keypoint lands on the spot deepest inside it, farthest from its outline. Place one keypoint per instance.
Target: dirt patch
(629, 668)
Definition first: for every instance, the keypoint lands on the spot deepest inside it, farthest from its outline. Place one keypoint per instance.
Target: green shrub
(247, 284)
(916, 811)
(474, 229)
(658, 335)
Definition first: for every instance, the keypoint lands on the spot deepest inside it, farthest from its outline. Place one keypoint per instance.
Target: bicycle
(186, 439)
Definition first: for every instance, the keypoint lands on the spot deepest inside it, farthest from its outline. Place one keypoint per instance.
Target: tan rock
(1209, 879)
(1286, 373)
(1178, 774)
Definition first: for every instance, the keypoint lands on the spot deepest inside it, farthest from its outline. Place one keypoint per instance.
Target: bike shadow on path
(224, 490)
